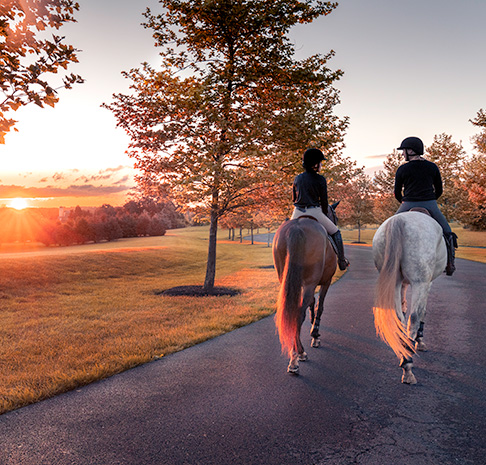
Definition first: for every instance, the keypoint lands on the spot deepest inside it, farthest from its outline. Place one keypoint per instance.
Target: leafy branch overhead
(28, 53)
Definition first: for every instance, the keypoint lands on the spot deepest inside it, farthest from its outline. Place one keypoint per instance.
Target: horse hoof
(420, 346)
(303, 357)
(293, 371)
(316, 343)
(409, 379)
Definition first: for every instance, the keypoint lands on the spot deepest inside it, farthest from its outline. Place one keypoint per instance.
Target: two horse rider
(418, 183)
(309, 195)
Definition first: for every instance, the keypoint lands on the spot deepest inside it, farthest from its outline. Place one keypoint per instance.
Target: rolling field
(71, 318)
(74, 315)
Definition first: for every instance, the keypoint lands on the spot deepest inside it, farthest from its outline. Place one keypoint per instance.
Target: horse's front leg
(403, 295)
(415, 328)
(315, 335)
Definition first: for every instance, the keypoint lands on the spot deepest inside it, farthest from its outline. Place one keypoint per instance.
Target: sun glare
(19, 204)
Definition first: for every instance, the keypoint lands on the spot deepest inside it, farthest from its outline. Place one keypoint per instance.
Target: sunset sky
(414, 67)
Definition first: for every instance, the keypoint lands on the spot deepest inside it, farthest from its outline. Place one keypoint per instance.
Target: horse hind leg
(299, 354)
(408, 377)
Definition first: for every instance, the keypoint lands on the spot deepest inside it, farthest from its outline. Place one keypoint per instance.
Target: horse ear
(335, 204)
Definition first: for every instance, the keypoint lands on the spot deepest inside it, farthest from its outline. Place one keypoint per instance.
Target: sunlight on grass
(71, 319)
(472, 244)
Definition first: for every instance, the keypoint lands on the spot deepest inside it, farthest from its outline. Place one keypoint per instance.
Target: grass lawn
(472, 244)
(74, 315)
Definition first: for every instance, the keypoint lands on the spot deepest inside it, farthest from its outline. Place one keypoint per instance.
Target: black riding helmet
(412, 143)
(312, 157)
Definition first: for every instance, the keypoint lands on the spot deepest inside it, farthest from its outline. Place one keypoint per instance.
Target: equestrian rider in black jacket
(309, 195)
(418, 184)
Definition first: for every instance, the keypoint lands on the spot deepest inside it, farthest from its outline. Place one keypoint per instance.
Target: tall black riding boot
(451, 244)
(343, 262)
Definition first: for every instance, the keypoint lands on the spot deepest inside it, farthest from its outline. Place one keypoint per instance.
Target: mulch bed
(199, 291)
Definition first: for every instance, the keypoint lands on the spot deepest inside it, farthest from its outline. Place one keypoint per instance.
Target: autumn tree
(472, 210)
(449, 156)
(28, 55)
(358, 206)
(384, 182)
(479, 140)
(230, 105)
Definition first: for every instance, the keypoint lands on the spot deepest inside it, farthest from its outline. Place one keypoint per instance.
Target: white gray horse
(409, 250)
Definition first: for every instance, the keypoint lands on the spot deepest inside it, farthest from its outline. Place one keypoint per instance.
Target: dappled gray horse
(409, 250)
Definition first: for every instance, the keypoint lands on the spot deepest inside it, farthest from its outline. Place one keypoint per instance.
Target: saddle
(329, 237)
(421, 210)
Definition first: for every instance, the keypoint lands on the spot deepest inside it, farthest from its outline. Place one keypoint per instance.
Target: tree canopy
(230, 106)
(27, 54)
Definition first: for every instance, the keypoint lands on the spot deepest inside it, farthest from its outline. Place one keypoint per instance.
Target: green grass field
(472, 244)
(74, 315)
(69, 319)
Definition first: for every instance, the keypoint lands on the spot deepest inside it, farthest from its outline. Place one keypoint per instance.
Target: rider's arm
(323, 195)
(398, 186)
(438, 184)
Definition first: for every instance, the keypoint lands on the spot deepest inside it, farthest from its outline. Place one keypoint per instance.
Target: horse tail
(388, 324)
(289, 302)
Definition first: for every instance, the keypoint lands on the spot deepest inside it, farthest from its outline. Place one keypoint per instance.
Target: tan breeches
(316, 212)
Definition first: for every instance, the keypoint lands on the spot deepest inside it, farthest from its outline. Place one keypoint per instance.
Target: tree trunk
(211, 263)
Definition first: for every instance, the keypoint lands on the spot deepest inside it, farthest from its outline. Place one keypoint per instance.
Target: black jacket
(419, 180)
(310, 190)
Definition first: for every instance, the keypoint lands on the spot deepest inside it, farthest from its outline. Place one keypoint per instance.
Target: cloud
(122, 180)
(104, 175)
(87, 190)
(376, 156)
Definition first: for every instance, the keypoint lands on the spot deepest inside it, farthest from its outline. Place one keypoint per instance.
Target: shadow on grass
(199, 291)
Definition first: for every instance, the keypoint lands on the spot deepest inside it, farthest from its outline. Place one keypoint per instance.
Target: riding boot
(451, 244)
(343, 262)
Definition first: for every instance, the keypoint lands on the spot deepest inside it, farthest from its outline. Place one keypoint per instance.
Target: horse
(304, 258)
(408, 250)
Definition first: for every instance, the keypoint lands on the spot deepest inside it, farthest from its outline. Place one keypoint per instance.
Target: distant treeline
(105, 223)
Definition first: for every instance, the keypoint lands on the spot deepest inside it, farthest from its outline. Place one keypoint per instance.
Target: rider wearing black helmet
(310, 198)
(418, 183)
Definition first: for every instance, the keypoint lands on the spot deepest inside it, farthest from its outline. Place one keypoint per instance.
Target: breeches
(432, 207)
(316, 212)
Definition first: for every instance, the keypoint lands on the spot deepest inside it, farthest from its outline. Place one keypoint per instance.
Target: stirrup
(450, 268)
(343, 264)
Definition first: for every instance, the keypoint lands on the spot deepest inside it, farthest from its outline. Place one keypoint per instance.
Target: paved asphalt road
(230, 400)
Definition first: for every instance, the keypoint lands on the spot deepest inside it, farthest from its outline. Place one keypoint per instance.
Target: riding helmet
(312, 157)
(413, 143)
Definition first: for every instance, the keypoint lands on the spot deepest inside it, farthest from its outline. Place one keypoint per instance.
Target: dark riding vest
(310, 190)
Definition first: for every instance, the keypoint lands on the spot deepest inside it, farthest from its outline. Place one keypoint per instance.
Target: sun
(19, 203)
